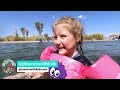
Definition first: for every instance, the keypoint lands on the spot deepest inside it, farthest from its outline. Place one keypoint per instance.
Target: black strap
(56, 52)
(82, 59)
(79, 58)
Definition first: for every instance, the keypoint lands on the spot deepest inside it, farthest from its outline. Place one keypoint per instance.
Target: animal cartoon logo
(59, 72)
(8, 66)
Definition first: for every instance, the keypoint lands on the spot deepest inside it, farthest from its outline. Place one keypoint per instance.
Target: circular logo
(8, 66)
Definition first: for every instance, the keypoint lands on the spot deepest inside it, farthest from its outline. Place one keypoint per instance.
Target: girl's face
(64, 41)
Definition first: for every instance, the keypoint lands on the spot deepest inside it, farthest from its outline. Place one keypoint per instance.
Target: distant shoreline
(98, 40)
(51, 41)
(18, 41)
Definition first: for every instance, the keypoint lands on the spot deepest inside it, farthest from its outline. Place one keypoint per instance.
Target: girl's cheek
(65, 41)
(55, 41)
(56, 45)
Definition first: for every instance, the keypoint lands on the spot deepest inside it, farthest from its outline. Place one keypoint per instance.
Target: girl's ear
(78, 37)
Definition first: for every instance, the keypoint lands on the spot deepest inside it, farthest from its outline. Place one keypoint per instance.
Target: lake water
(32, 51)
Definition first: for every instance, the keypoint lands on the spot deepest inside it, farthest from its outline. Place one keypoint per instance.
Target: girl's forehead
(62, 27)
(61, 31)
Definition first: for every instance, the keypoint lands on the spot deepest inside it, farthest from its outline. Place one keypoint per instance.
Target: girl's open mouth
(61, 47)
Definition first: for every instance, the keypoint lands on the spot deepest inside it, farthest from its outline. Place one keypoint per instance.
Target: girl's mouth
(61, 47)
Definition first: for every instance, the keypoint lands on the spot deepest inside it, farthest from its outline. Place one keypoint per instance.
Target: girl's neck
(72, 54)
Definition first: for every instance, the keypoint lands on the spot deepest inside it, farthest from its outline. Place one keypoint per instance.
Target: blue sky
(105, 22)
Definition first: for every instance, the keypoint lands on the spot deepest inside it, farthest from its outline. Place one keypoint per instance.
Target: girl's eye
(55, 37)
(62, 36)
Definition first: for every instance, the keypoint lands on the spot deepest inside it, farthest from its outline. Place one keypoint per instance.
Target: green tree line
(39, 27)
(96, 36)
(46, 37)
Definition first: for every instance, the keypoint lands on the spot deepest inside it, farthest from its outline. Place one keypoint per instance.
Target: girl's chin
(62, 52)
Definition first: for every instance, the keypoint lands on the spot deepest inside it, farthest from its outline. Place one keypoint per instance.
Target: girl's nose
(58, 41)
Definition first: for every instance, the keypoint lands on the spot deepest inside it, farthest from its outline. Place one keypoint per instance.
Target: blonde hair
(76, 28)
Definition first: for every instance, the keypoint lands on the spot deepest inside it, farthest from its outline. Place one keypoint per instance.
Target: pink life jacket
(73, 68)
(104, 68)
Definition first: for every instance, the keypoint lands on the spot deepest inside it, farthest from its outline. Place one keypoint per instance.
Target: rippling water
(32, 51)
(93, 50)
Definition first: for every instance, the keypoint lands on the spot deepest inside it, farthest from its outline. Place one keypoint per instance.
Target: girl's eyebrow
(63, 32)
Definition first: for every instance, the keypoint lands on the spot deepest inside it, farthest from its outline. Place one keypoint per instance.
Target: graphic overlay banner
(35, 65)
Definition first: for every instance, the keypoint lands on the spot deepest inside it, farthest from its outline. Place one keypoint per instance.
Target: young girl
(68, 38)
